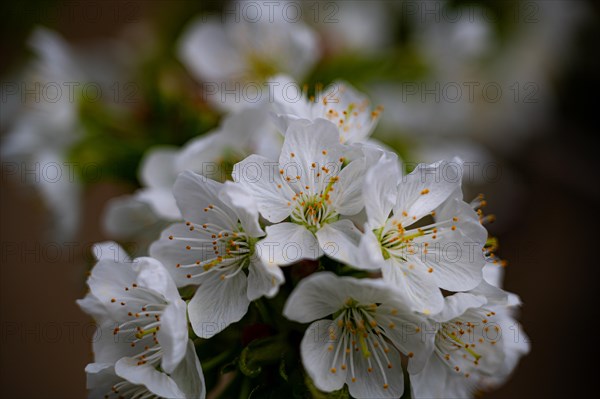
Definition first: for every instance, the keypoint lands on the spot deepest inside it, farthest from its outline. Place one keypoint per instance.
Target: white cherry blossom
(339, 103)
(305, 193)
(114, 381)
(420, 232)
(477, 346)
(215, 249)
(141, 318)
(234, 57)
(361, 345)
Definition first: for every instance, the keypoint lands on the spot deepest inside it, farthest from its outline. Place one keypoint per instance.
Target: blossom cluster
(331, 193)
(293, 203)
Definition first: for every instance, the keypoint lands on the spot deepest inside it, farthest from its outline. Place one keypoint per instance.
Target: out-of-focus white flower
(215, 249)
(452, 51)
(47, 125)
(362, 27)
(420, 232)
(141, 318)
(242, 52)
(43, 123)
(473, 85)
(212, 155)
(339, 103)
(360, 346)
(477, 346)
(312, 185)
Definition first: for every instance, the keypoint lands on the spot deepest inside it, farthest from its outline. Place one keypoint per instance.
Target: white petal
(426, 188)
(173, 252)
(339, 240)
(108, 279)
(100, 377)
(288, 243)
(204, 154)
(108, 348)
(318, 359)
(457, 304)
(422, 293)
(456, 256)
(261, 177)
(371, 384)
(410, 333)
(493, 295)
(324, 293)
(380, 191)
(217, 303)
(127, 216)
(263, 279)
(153, 275)
(244, 205)
(207, 51)
(157, 167)
(63, 197)
(314, 298)
(305, 144)
(434, 381)
(158, 383)
(92, 306)
(110, 250)
(193, 193)
(161, 201)
(173, 335)
(188, 375)
(494, 275)
(347, 197)
(369, 253)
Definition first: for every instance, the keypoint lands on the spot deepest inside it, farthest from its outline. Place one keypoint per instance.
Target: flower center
(398, 242)
(354, 120)
(312, 203)
(261, 68)
(313, 211)
(459, 342)
(222, 246)
(144, 308)
(359, 335)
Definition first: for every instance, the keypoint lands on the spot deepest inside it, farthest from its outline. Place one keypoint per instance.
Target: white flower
(363, 28)
(477, 346)
(215, 249)
(360, 346)
(241, 55)
(141, 318)
(420, 233)
(212, 155)
(113, 381)
(312, 186)
(339, 103)
(44, 129)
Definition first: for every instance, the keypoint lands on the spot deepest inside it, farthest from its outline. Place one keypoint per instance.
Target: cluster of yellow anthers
(398, 241)
(361, 335)
(492, 244)
(457, 342)
(228, 244)
(311, 199)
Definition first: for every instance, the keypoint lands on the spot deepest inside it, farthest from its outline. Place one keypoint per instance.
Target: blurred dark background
(548, 238)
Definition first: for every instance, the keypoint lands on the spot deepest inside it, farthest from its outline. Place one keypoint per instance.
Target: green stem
(263, 311)
(217, 360)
